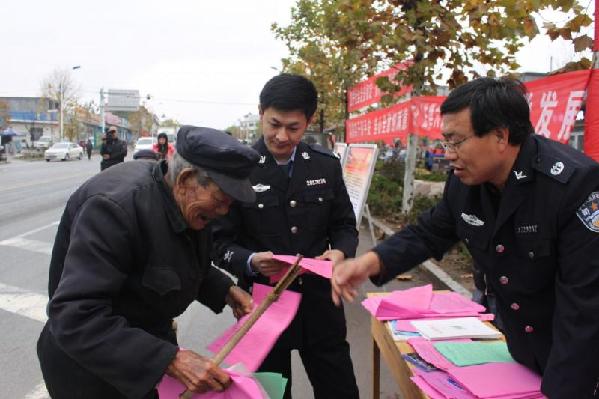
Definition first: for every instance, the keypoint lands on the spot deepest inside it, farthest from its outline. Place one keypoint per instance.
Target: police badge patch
(588, 213)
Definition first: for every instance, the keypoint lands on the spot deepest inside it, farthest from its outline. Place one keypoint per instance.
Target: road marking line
(23, 303)
(39, 392)
(38, 229)
(30, 245)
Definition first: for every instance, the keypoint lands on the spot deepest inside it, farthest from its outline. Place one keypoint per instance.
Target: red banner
(367, 92)
(591, 121)
(554, 103)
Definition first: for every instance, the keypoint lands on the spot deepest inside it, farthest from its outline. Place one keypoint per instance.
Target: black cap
(225, 160)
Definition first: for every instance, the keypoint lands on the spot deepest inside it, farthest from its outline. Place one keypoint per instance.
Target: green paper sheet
(471, 353)
(273, 383)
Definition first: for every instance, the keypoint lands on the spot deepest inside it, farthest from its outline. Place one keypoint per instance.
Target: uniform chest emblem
(557, 168)
(316, 182)
(305, 155)
(519, 174)
(527, 229)
(228, 256)
(588, 213)
(262, 159)
(260, 188)
(472, 220)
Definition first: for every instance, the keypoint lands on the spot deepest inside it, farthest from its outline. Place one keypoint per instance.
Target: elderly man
(527, 208)
(131, 253)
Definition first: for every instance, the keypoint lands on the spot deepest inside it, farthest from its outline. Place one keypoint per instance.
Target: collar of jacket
(522, 171)
(260, 146)
(173, 213)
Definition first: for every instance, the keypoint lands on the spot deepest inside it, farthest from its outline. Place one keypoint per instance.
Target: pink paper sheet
(424, 386)
(243, 387)
(427, 351)
(452, 302)
(259, 340)
(508, 379)
(441, 381)
(323, 268)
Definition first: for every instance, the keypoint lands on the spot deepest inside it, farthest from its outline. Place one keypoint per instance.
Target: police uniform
(305, 213)
(537, 243)
(124, 264)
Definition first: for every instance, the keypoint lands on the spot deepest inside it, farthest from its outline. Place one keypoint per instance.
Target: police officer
(528, 210)
(113, 150)
(301, 206)
(131, 253)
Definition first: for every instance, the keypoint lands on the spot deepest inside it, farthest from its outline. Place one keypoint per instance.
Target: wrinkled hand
(350, 274)
(240, 301)
(333, 255)
(263, 263)
(198, 373)
(106, 156)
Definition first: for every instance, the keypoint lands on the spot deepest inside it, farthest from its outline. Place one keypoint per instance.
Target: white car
(144, 143)
(63, 151)
(43, 143)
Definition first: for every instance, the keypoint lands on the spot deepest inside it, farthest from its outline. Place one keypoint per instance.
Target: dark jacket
(304, 214)
(117, 151)
(124, 264)
(538, 252)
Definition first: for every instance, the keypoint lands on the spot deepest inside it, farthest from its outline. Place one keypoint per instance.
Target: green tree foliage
(4, 115)
(170, 123)
(338, 43)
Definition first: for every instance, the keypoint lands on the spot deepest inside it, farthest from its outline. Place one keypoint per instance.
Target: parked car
(63, 151)
(144, 143)
(43, 143)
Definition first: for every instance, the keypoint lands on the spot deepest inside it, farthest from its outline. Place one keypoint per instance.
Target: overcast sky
(203, 62)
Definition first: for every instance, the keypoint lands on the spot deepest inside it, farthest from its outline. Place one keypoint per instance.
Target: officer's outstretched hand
(334, 255)
(240, 301)
(350, 274)
(263, 263)
(198, 373)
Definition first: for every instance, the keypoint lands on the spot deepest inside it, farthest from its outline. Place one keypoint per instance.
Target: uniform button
(515, 306)
(294, 229)
(320, 199)
(528, 329)
(260, 206)
(300, 281)
(467, 240)
(531, 255)
(503, 280)
(499, 248)
(292, 204)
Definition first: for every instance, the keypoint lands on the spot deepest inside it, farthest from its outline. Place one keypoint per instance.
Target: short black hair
(288, 92)
(493, 103)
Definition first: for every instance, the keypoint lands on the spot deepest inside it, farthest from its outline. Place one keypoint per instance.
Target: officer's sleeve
(227, 254)
(572, 369)
(434, 234)
(214, 289)
(342, 231)
(80, 312)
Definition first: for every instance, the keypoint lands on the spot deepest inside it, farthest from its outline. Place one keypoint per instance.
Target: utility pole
(102, 110)
(61, 99)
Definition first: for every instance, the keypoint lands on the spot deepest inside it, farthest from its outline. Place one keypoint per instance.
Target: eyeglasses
(454, 145)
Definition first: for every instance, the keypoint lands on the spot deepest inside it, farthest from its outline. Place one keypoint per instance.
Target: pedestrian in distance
(527, 208)
(131, 253)
(302, 206)
(163, 148)
(88, 148)
(113, 150)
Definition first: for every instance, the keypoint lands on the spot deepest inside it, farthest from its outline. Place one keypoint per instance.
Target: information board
(357, 173)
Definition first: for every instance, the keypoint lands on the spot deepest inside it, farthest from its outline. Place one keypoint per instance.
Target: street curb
(429, 266)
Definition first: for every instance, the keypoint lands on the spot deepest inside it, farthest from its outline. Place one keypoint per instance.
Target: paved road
(32, 197)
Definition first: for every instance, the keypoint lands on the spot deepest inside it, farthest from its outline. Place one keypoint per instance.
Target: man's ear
(180, 186)
(503, 135)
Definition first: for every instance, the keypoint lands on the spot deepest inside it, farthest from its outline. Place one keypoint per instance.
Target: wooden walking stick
(281, 286)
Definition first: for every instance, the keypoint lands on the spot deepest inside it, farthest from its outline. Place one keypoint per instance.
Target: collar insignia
(519, 174)
(557, 168)
(305, 155)
(472, 220)
(260, 188)
(262, 159)
(228, 256)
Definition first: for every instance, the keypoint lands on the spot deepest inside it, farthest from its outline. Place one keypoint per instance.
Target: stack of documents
(422, 302)
(459, 327)
(488, 381)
